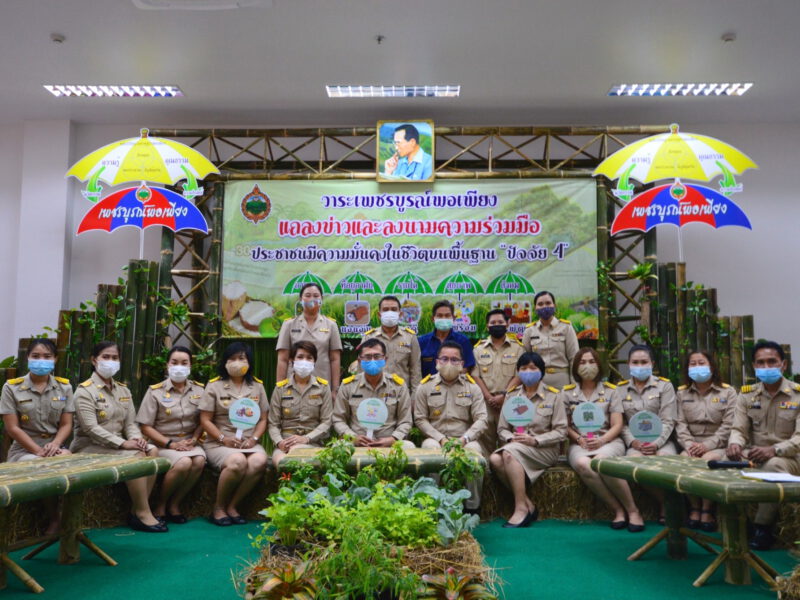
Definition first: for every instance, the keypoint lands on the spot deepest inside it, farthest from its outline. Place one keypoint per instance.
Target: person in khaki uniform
(106, 424)
(495, 366)
(373, 382)
(553, 339)
(169, 416)
(316, 328)
(240, 461)
(402, 347)
(766, 429)
(525, 456)
(450, 405)
(301, 407)
(38, 408)
(703, 424)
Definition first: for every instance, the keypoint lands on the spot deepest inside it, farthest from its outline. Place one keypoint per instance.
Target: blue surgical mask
(311, 303)
(700, 374)
(530, 378)
(41, 366)
(770, 375)
(641, 373)
(443, 324)
(373, 367)
(546, 313)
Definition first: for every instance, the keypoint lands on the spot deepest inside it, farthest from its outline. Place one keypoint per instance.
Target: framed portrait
(405, 151)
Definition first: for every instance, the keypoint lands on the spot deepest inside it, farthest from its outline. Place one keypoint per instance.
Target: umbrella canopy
(408, 283)
(142, 159)
(679, 204)
(143, 207)
(357, 283)
(675, 155)
(298, 281)
(510, 283)
(459, 283)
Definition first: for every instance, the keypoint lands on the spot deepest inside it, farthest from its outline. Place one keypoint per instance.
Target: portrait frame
(420, 167)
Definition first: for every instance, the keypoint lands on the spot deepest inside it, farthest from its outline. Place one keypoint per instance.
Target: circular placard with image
(588, 418)
(244, 413)
(645, 426)
(518, 411)
(372, 414)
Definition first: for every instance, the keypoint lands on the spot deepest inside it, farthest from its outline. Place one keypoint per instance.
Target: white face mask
(178, 373)
(390, 318)
(107, 368)
(303, 368)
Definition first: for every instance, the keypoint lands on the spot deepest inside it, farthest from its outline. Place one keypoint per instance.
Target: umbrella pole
(680, 244)
(141, 244)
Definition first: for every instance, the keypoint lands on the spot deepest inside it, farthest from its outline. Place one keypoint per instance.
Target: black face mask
(497, 331)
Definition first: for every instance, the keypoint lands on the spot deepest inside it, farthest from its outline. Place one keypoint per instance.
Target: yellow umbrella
(143, 159)
(675, 155)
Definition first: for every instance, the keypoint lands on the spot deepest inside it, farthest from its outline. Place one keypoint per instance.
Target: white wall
(10, 175)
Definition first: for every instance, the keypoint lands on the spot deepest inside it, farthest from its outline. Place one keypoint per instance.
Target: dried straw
(789, 587)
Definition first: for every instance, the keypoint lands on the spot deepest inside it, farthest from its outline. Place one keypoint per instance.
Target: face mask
(178, 373)
(771, 375)
(237, 368)
(546, 313)
(641, 373)
(107, 368)
(303, 368)
(443, 324)
(390, 318)
(588, 371)
(497, 331)
(530, 378)
(373, 367)
(448, 371)
(311, 303)
(41, 366)
(700, 374)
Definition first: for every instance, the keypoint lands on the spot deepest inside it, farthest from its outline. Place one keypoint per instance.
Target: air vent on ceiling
(200, 4)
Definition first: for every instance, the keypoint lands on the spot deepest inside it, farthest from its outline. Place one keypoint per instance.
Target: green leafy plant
(451, 586)
(334, 458)
(289, 581)
(459, 466)
(390, 466)
(288, 515)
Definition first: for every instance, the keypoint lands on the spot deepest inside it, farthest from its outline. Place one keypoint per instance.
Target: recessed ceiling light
(679, 89)
(393, 91)
(118, 91)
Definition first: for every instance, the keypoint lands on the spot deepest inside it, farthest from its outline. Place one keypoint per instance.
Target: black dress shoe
(619, 524)
(222, 521)
(533, 516)
(524, 523)
(635, 528)
(136, 524)
(762, 538)
(238, 520)
(472, 511)
(178, 519)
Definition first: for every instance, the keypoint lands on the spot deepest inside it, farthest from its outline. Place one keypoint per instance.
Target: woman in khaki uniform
(615, 492)
(553, 339)
(525, 456)
(301, 407)
(705, 417)
(170, 417)
(241, 462)
(107, 425)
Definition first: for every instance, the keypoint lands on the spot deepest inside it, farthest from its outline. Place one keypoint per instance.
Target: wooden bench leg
(733, 525)
(649, 545)
(721, 557)
(96, 549)
(759, 568)
(675, 516)
(71, 516)
(41, 547)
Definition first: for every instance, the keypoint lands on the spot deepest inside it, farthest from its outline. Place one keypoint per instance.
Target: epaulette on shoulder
(397, 379)
(725, 385)
(16, 380)
(797, 387)
(122, 383)
(286, 319)
(552, 389)
(258, 380)
(566, 321)
(409, 330)
(63, 380)
(478, 343)
(370, 331)
(348, 379)
(623, 382)
(610, 386)
(746, 389)
(86, 383)
(682, 387)
(155, 386)
(425, 379)
(469, 378)
(512, 338)
(330, 318)
(570, 386)
(215, 379)
(322, 381)
(282, 383)
(664, 379)
(197, 383)
(530, 324)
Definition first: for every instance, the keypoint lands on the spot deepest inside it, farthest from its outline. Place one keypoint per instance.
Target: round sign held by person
(588, 418)
(645, 426)
(519, 412)
(244, 413)
(372, 414)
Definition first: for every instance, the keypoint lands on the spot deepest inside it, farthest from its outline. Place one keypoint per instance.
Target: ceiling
(519, 62)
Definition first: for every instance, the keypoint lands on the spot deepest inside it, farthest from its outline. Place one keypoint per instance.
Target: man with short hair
(766, 429)
(429, 344)
(409, 161)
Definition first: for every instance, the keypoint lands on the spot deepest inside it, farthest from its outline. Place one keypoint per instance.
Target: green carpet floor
(550, 560)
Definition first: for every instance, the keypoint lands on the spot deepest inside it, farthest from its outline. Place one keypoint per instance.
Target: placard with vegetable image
(372, 414)
(244, 413)
(588, 419)
(519, 412)
(645, 426)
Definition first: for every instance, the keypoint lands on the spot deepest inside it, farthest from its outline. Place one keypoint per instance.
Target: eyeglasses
(453, 361)
(373, 357)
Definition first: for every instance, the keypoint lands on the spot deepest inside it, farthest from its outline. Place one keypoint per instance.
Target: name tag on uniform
(535, 337)
(287, 397)
(435, 394)
(485, 355)
(687, 400)
(404, 345)
(545, 406)
(755, 405)
(508, 356)
(297, 331)
(195, 396)
(357, 396)
(24, 401)
(324, 330)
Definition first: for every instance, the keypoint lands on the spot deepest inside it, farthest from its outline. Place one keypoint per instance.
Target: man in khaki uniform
(766, 429)
(373, 382)
(402, 347)
(553, 339)
(450, 405)
(495, 366)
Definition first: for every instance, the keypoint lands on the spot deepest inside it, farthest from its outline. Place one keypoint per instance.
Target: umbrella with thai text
(679, 204)
(510, 283)
(459, 283)
(408, 283)
(297, 282)
(357, 283)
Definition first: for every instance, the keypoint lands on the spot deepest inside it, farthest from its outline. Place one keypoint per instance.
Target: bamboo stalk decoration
(150, 346)
(140, 279)
(787, 351)
(101, 308)
(602, 258)
(74, 352)
(724, 349)
(22, 354)
(130, 306)
(114, 292)
(737, 374)
(691, 319)
(680, 312)
(211, 329)
(165, 282)
(713, 316)
(748, 343)
(86, 343)
(62, 343)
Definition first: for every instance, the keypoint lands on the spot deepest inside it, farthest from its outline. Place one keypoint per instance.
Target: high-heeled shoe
(136, 524)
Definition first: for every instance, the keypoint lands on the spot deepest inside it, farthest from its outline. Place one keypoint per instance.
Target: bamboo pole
(787, 352)
(713, 312)
(62, 343)
(130, 307)
(101, 312)
(673, 333)
(724, 349)
(86, 343)
(733, 526)
(662, 322)
(113, 310)
(22, 354)
(602, 258)
(748, 343)
(151, 345)
(140, 280)
(680, 312)
(691, 319)
(737, 374)
(71, 515)
(210, 329)
(74, 353)
(165, 283)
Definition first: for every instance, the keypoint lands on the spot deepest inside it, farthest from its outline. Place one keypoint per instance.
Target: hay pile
(789, 587)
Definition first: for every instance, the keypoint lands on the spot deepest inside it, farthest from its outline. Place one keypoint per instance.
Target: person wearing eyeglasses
(409, 160)
(450, 406)
(373, 382)
(430, 343)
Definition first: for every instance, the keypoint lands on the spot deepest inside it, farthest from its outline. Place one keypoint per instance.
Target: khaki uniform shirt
(452, 410)
(497, 367)
(402, 354)
(105, 414)
(603, 397)
(557, 345)
(707, 419)
(323, 333)
(549, 425)
(308, 413)
(172, 414)
(658, 396)
(220, 394)
(392, 389)
(39, 413)
(763, 421)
